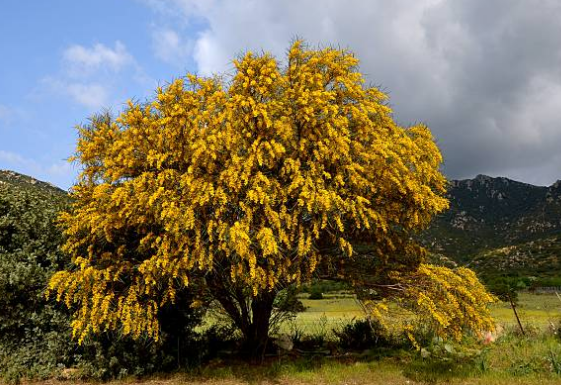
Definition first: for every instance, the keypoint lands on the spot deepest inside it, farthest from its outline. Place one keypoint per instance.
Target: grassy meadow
(538, 310)
(535, 310)
(511, 359)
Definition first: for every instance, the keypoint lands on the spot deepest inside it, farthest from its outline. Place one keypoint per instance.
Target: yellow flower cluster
(452, 301)
(262, 173)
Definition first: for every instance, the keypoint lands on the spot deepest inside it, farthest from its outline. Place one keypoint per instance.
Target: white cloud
(92, 95)
(82, 60)
(13, 158)
(485, 76)
(60, 169)
(170, 47)
(95, 77)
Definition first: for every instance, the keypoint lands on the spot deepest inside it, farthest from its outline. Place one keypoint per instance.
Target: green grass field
(513, 359)
(326, 313)
(535, 310)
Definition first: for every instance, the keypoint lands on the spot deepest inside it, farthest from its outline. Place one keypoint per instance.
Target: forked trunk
(251, 314)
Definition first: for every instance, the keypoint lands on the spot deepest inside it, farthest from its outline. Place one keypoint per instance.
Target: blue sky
(61, 62)
(484, 76)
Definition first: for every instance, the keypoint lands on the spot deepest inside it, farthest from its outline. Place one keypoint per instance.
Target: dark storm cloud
(484, 75)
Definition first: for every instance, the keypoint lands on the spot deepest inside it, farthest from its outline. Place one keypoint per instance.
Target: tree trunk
(513, 306)
(250, 314)
(256, 332)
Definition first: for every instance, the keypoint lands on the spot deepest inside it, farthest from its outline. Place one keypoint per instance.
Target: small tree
(506, 289)
(246, 184)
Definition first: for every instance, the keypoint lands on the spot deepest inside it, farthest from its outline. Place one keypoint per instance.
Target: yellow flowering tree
(245, 184)
(441, 301)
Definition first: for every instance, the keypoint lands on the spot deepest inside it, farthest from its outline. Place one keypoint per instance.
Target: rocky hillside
(541, 258)
(20, 181)
(498, 222)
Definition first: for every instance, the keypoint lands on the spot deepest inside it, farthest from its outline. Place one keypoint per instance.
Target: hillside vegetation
(501, 225)
(29, 254)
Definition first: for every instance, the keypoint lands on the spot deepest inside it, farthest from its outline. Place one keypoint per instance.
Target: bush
(219, 340)
(114, 356)
(285, 307)
(363, 334)
(317, 339)
(34, 335)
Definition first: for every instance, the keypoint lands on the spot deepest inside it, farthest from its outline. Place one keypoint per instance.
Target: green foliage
(34, 335)
(534, 282)
(315, 339)
(326, 286)
(315, 293)
(317, 288)
(505, 288)
(363, 334)
(538, 258)
(218, 340)
(111, 355)
(285, 306)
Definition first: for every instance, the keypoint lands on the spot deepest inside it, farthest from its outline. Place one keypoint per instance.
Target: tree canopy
(262, 175)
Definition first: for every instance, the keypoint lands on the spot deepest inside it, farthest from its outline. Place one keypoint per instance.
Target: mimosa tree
(246, 184)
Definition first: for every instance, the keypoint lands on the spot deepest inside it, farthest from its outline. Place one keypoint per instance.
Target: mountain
(500, 224)
(20, 181)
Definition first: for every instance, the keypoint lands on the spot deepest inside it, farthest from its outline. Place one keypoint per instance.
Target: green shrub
(219, 340)
(113, 356)
(33, 333)
(363, 334)
(285, 307)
